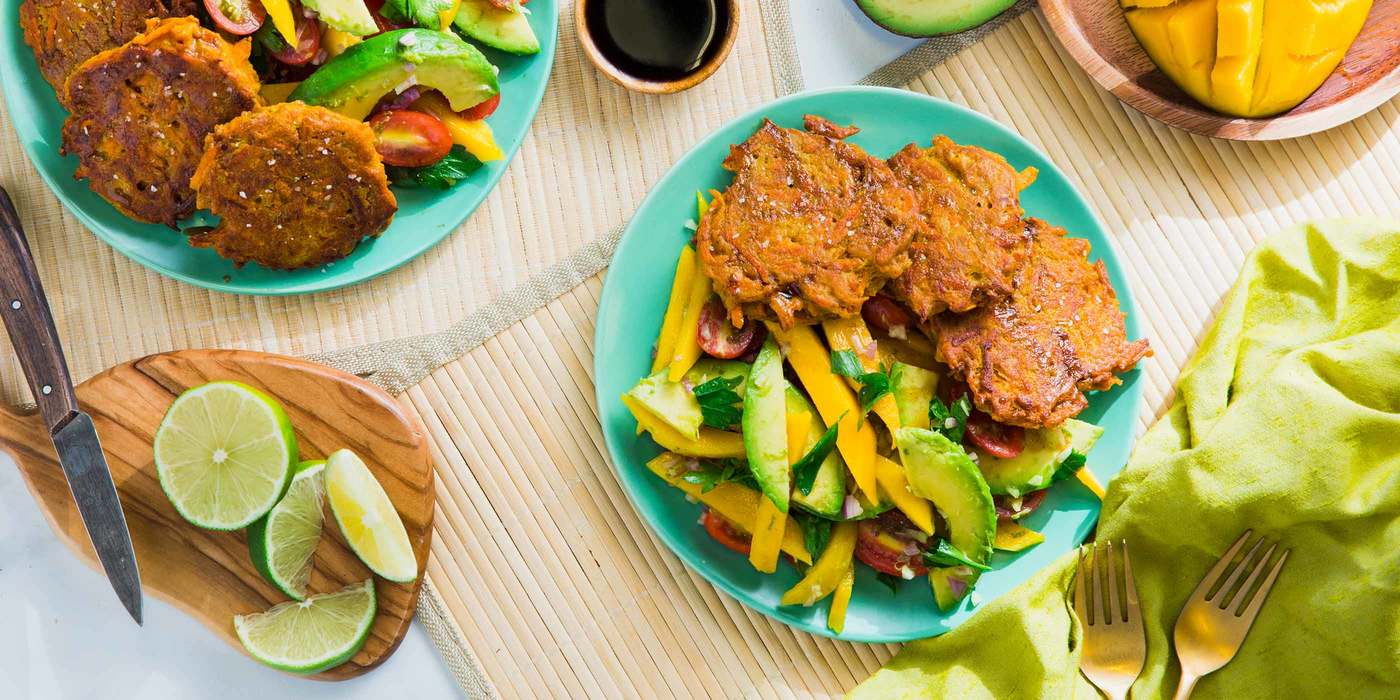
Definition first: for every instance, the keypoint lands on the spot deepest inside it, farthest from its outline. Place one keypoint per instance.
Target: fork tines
(1104, 574)
(1221, 590)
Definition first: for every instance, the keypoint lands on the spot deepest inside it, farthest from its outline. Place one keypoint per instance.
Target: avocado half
(923, 18)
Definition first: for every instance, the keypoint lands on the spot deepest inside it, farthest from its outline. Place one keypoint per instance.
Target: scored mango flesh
(1247, 58)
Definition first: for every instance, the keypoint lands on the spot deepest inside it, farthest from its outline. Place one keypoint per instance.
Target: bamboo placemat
(544, 568)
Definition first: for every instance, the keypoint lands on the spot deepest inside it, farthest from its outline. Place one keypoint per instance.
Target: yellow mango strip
(446, 16)
(891, 477)
(275, 93)
(1011, 537)
(799, 427)
(768, 528)
(825, 575)
(472, 134)
(835, 401)
(280, 11)
(836, 616)
(738, 504)
(687, 349)
(336, 42)
(852, 334)
(671, 322)
(1087, 478)
(712, 443)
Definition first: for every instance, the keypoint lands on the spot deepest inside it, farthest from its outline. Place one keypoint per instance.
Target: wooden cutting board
(208, 574)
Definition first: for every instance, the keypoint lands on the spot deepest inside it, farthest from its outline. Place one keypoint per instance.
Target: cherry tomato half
(308, 43)
(237, 17)
(724, 533)
(885, 314)
(881, 545)
(409, 139)
(996, 439)
(721, 339)
(483, 110)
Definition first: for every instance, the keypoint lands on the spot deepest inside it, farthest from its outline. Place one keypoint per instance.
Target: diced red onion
(870, 351)
(851, 508)
(689, 385)
(957, 586)
(911, 548)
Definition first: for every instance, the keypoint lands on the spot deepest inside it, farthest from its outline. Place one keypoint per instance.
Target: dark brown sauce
(656, 39)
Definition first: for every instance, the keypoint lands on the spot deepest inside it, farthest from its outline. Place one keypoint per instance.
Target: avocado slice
(913, 389)
(939, 470)
(349, 16)
(829, 488)
(707, 368)
(674, 404)
(1044, 449)
(353, 82)
(765, 425)
(921, 18)
(507, 30)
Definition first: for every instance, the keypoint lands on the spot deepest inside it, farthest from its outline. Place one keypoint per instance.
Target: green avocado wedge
(913, 389)
(349, 16)
(765, 425)
(353, 82)
(941, 471)
(674, 404)
(920, 18)
(829, 488)
(507, 30)
(1035, 467)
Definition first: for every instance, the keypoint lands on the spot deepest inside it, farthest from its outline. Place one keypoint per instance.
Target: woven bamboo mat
(556, 586)
(591, 153)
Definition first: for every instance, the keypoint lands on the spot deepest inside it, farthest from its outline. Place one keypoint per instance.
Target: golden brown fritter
(810, 228)
(141, 111)
(973, 244)
(64, 33)
(295, 186)
(1028, 359)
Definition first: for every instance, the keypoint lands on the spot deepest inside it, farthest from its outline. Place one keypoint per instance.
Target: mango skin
(1247, 58)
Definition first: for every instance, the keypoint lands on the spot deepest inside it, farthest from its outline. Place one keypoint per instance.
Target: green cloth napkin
(1286, 421)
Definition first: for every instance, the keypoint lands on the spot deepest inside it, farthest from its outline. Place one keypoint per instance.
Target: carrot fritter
(141, 111)
(295, 186)
(973, 244)
(1029, 358)
(64, 33)
(811, 227)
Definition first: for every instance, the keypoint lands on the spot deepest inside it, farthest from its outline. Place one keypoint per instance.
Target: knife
(35, 339)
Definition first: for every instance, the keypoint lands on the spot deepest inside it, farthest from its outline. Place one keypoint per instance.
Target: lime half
(282, 542)
(367, 518)
(224, 453)
(313, 635)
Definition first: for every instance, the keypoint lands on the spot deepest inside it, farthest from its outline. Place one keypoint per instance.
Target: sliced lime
(313, 635)
(224, 454)
(367, 518)
(282, 542)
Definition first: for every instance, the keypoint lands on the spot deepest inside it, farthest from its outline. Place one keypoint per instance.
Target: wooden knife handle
(29, 322)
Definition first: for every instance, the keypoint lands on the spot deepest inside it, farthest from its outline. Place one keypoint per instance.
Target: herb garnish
(816, 532)
(719, 402)
(949, 421)
(890, 580)
(945, 554)
(873, 385)
(1071, 465)
(712, 473)
(804, 471)
(456, 165)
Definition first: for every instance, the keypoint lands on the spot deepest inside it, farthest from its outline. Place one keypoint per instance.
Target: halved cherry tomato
(886, 314)
(483, 110)
(883, 545)
(996, 439)
(375, 7)
(410, 139)
(237, 17)
(308, 43)
(1029, 502)
(721, 339)
(724, 533)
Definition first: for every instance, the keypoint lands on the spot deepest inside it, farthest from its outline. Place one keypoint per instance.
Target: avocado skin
(925, 18)
(353, 81)
(765, 425)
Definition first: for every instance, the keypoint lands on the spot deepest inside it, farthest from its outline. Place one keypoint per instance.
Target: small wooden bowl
(1096, 34)
(727, 35)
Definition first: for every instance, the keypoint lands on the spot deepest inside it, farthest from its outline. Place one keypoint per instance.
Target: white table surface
(64, 635)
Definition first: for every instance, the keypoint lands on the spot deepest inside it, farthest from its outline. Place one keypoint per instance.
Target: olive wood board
(207, 573)
(1096, 34)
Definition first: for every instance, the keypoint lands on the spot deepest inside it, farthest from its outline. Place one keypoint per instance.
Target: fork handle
(1184, 688)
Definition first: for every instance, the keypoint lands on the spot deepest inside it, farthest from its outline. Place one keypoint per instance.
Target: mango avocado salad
(840, 443)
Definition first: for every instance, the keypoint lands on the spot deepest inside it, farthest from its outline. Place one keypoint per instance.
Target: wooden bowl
(727, 35)
(1096, 34)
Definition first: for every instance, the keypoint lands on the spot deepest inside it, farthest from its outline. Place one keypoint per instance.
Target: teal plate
(424, 217)
(634, 300)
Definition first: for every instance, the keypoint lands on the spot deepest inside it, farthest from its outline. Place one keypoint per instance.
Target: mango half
(1247, 58)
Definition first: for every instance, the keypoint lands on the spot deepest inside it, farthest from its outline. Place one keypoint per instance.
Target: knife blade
(25, 311)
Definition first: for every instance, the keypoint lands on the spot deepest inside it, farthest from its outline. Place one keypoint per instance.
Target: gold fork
(1114, 646)
(1216, 618)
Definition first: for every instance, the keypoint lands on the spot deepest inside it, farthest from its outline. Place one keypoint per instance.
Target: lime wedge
(224, 453)
(282, 542)
(313, 635)
(367, 518)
